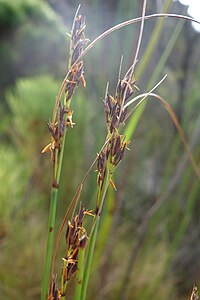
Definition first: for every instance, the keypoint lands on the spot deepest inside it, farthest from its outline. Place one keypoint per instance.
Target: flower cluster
(114, 106)
(116, 114)
(113, 153)
(76, 72)
(57, 132)
(75, 75)
(75, 237)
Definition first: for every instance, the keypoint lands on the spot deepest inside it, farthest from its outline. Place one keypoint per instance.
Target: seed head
(114, 106)
(113, 153)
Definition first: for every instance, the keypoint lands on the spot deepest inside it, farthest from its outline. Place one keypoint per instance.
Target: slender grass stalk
(153, 41)
(133, 21)
(63, 282)
(111, 156)
(52, 218)
(79, 274)
(104, 230)
(49, 246)
(74, 201)
(89, 260)
(58, 131)
(51, 223)
(133, 122)
(101, 198)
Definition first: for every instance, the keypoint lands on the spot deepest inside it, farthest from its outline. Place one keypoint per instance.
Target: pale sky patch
(193, 11)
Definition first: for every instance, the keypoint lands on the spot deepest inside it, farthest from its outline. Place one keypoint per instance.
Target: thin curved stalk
(153, 41)
(112, 29)
(178, 127)
(132, 21)
(131, 126)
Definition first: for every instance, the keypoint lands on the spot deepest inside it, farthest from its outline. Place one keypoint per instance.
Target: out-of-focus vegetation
(149, 249)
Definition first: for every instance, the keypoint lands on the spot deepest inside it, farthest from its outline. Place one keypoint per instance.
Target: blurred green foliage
(27, 175)
(30, 103)
(32, 40)
(146, 254)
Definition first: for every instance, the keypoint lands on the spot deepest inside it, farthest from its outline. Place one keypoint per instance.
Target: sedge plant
(62, 119)
(79, 245)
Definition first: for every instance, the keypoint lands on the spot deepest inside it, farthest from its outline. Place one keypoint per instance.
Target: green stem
(94, 236)
(51, 225)
(54, 192)
(49, 246)
(79, 274)
(105, 227)
(63, 282)
(89, 260)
